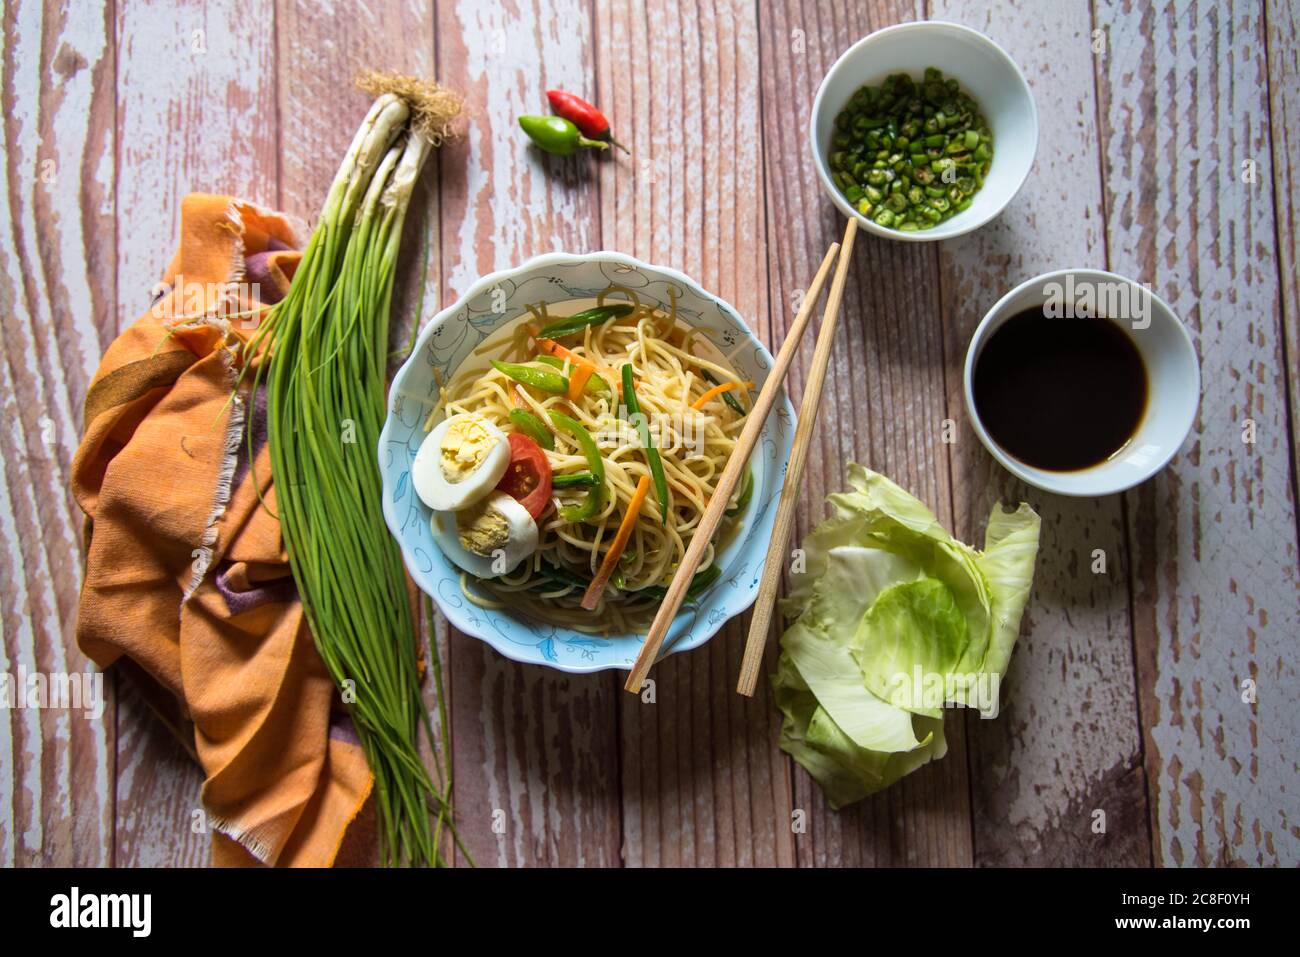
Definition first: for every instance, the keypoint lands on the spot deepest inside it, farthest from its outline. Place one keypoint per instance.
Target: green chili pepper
(698, 584)
(543, 379)
(595, 316)
(596, 385)
(574, 480)
(595, 499)
(727, 397)
(908, 154)
(557, 135)
(746, 493)
(533, 427)
(652, 457)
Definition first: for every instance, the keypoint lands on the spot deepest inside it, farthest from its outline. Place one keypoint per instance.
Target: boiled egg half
(460, 462)
(489, 538)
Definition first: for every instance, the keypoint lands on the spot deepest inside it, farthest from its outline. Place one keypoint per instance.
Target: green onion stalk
(324, 351)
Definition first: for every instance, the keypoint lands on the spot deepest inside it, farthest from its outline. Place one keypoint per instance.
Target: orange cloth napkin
(186, 573)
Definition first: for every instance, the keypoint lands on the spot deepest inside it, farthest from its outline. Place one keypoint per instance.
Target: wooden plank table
(1161, 691)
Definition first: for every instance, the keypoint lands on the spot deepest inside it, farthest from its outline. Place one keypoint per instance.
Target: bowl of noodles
(551, 444)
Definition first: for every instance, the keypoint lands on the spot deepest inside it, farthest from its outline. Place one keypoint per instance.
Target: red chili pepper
(583, 115)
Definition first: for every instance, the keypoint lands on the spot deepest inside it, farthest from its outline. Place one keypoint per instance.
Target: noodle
(694, 447)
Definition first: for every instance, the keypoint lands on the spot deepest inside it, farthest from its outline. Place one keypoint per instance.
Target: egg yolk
(464, 447)
(482, 529)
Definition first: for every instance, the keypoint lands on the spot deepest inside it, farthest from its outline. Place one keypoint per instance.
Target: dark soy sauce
(1060, 394)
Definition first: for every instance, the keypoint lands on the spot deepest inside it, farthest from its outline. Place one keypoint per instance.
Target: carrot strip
(553, 348)
(597, 587)
(578, 379)
(589, 368)
(717, 390)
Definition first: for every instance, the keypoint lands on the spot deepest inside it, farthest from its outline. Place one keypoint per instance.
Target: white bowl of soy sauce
(1082, 382)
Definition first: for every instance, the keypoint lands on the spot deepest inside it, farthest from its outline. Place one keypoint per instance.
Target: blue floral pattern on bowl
(452, 336)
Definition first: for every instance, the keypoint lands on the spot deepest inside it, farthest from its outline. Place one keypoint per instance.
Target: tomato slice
(528, 477)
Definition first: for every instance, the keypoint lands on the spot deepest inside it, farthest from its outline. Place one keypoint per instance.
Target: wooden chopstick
(727, 482)
(812, 396)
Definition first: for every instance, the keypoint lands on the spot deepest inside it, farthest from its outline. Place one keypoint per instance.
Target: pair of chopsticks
(727, 482)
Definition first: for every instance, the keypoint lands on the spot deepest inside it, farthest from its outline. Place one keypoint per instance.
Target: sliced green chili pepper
(727, 397)
(746, 493)
(595, 499)
(557, 135)
(574, 480)
(595, 316)
(904, 134)
(596, 385)
(533, 427)
(543, 379)
(698, 584)
(652, 457)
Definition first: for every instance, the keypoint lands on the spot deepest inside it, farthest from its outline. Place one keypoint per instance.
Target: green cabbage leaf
(892, 621)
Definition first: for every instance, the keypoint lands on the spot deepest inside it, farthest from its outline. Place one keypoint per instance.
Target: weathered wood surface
(56, 315)
(1125, 695)
(1214, 536)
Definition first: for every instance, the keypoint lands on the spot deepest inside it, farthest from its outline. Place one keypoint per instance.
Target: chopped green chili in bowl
(910, 154)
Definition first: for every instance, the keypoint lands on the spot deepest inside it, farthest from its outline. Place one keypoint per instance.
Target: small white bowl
(985, 72)
(1173, 378)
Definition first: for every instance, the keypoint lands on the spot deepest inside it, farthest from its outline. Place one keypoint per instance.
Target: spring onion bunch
(325, 350)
